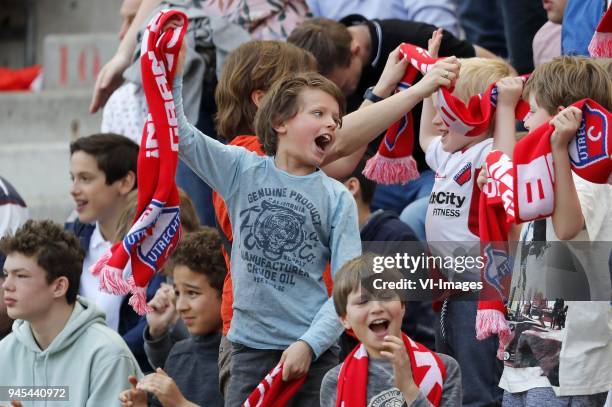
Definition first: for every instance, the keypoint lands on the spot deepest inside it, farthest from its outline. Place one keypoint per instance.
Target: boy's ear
(560, 108)
(352, 184)
(280, 129)
(257, 96)
(127, 183)
(355, 48)
(60, 286)
(345, 323)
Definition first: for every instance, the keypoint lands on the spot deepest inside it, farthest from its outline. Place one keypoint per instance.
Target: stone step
(39, 172)
(47, 116)
(74, 60)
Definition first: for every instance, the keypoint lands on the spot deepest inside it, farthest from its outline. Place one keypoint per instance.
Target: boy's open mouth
(379, 325)
(80, 204)
(323, 141)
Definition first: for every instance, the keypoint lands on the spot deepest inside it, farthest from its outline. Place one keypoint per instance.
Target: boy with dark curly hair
(58, 338)
(190, 371)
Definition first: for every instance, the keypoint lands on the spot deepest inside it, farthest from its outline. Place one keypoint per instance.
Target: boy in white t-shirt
(560, 351)
(452, 222)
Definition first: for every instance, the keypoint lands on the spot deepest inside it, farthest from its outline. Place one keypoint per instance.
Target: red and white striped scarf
(393, 163)
(428, 372)
(156, 227)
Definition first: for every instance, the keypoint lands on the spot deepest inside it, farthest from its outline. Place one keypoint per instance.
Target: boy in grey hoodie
(58, 339)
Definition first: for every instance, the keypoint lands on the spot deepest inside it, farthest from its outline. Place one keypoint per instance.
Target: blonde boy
(452, 218)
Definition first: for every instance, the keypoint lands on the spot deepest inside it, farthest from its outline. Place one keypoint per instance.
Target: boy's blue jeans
(249, 366)
(480, 368)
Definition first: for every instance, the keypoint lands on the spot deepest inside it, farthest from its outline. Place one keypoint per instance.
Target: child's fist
(175, 22)
(509, 91)
(566, 124)
(296, 360)
(395, 351)
(394, 71)
(443, 73)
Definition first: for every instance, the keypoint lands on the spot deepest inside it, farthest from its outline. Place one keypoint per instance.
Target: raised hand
(395, 351)
(433, 44)
(392, 74)
(509, 91)
(566, 124)
(443, 73)
(163, 311)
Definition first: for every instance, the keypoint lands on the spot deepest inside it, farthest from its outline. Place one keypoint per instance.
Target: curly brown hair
(55, 250)
(201, 252)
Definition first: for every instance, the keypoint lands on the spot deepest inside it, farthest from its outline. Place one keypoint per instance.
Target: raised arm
(110, 76)
(364, 125)
(509, 93)
(567, 216)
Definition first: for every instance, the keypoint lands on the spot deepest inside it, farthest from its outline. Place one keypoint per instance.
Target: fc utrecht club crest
(590, 144)
(498, 265)
(159, 243)
(464, 174)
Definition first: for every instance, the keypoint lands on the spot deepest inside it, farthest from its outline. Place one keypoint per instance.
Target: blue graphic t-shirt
(286, 228)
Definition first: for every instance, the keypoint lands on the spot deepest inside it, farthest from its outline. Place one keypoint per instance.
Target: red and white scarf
(522, 190)
(156, 228)
(393, 163)
(273, 391)
(428, 372)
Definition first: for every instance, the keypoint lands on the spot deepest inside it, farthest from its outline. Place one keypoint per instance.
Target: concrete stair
(35, 132)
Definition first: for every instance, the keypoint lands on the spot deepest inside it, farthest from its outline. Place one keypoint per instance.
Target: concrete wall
(35, 133)
(74, 17)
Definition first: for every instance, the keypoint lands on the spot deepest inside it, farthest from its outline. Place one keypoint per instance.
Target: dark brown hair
(116, 155)
(255, 65)
(282, 102)
(201, 252)
(328, 40)
(55, 250)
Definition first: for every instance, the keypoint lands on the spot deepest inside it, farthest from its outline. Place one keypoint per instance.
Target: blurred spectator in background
(505, 27)
(441, 13)
(126, 109)
(352, 53)
(13, 213)
(213, 32)
(547, 41)
(482, 23)
(580, 20)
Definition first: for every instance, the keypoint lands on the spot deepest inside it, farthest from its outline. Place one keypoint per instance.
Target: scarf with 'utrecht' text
(156, 228)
